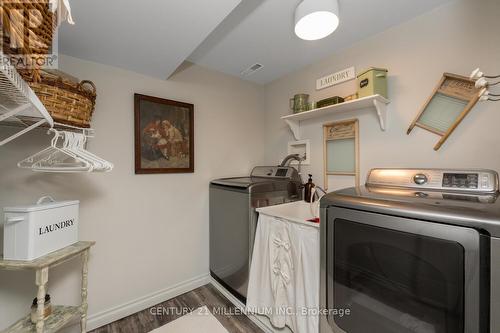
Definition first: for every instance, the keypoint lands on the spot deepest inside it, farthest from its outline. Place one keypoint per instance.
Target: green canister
(372, 81)
(299, 103)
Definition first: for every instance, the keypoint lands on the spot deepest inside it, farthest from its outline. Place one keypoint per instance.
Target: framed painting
(164, 135)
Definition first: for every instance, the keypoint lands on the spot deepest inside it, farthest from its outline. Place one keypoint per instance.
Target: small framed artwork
(164, 135)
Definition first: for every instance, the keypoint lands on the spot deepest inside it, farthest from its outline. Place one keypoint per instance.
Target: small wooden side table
(61, 315)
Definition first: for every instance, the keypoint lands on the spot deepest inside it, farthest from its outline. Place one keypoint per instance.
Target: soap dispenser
(308, 189)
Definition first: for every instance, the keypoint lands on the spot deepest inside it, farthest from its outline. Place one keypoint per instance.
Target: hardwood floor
(163, 313)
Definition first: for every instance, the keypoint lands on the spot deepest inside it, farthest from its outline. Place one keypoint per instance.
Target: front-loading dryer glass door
(395, 275)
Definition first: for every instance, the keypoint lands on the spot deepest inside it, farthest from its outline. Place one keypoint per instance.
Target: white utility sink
(297, 211)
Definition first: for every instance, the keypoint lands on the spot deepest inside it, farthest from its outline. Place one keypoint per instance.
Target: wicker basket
(67, 101)
(40, 29)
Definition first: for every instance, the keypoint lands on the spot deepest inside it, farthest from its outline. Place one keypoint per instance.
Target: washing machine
(414, 250)
(233, 220)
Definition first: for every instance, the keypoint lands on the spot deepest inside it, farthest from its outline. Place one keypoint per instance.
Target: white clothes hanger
(61, 159)
(68, 155)
(53, 157)
(67, 147)
(105, 165)
(78, 147)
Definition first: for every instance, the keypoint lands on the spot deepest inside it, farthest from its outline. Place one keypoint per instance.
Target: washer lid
(240, 182)
(244, 182)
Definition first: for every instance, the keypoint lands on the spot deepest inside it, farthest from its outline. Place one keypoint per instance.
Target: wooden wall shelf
(377, 102)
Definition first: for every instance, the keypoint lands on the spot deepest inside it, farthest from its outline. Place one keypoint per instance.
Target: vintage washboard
(450, 102)
(341, 149)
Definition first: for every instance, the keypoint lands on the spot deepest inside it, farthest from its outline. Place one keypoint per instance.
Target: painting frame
(138, 134)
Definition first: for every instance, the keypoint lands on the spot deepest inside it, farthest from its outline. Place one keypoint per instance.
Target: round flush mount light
(316, 19)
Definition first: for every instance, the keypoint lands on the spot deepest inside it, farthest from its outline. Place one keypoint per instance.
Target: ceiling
(261, 31)
(154, 37)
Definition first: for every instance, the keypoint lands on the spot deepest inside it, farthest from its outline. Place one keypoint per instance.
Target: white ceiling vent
(252, 69)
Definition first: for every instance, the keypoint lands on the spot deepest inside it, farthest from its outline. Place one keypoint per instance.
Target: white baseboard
(120, 311)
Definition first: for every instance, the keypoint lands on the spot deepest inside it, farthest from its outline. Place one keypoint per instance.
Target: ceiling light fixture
(316, 19)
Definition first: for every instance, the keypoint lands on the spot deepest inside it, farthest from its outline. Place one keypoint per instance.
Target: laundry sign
(336, 78)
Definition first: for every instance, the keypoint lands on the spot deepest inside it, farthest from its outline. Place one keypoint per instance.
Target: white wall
(455, 38)
(151, 230)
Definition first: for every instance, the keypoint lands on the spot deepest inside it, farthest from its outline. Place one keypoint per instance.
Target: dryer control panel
(274, 172)
(452, 180)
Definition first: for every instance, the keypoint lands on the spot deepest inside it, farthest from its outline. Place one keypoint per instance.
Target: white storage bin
(33, 231)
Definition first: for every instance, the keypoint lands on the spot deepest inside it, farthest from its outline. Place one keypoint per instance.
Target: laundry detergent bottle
(308, 189)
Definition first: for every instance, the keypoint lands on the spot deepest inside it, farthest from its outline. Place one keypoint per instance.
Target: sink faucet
(286, 161)
(316, 189)
(314, 206)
